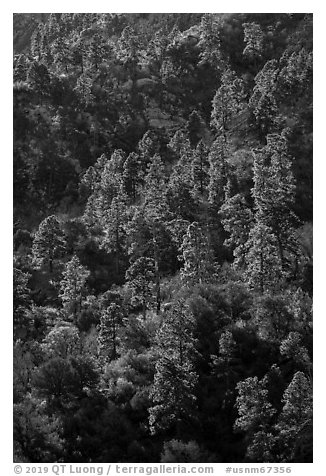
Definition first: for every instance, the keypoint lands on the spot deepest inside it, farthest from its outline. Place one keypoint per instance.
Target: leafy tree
(176, 451)
(63, 381)
(72, 286)
(39, 78)
(62, 341)
(37, 435)
(24, 360)
(49, 242)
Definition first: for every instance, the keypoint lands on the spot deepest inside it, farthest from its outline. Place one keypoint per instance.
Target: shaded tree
(49, 242)
(175, 379)
(141, 278)
(73, 286)
(111, 319)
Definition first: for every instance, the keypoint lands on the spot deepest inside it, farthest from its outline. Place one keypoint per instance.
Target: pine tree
(20, 68)
(110, 184)
(237, 220)
(175, 379)
(53, 26)
(97, 50)
(66, 23)
(73, 286)
(197, 257)
(46, 54)
(139, 238)
(200, 168)
(227, 103)
(180, 197)
(255, 418)
(157, 47)
(148, 146)
(128, 48)
(218, 171)
(111, 319)
(78, 53)
(210, 41)
(114, 223)
(180, 144)
(222, 363)
(49, 242)
(61, 52)
(132, 176)
(155, 190)
(39, 78)
(292, 348)
(141, 279)
(274, 195)
(264, 268)
(84, 88)
(179, 193)
(36, 42)
(263, 99)
(21, 303)
(194, 128)
(295, 421)
(253, 38)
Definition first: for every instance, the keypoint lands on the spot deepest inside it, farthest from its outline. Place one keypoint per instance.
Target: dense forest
(162, 237)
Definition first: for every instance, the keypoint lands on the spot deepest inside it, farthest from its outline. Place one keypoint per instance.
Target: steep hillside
(163, 237)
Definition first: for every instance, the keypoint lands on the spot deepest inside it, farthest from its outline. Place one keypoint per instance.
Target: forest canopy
(162, 237)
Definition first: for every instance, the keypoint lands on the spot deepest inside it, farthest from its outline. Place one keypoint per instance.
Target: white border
(319, 186)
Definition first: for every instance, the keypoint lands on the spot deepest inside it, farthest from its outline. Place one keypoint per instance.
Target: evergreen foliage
(163, 237)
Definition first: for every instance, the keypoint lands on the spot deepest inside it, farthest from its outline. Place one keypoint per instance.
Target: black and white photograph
(162, 238)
